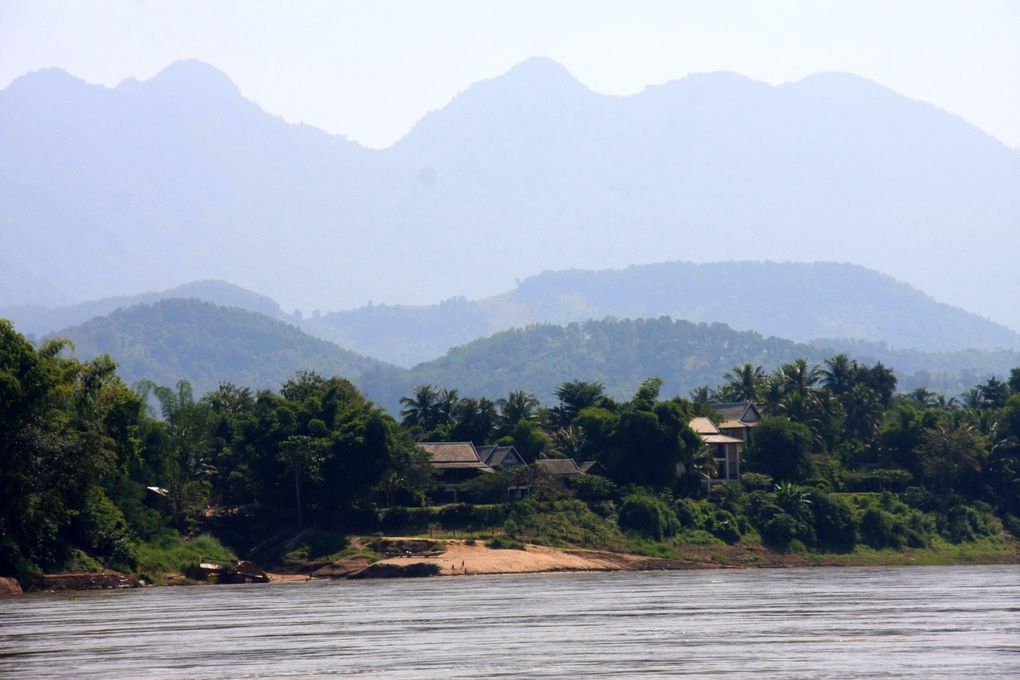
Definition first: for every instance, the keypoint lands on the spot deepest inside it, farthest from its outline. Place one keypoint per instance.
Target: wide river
(905, 622)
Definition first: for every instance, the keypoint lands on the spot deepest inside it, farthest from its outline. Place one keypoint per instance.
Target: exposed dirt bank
(9, 586)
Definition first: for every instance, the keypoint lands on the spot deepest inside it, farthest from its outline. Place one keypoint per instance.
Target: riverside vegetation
(842, 468)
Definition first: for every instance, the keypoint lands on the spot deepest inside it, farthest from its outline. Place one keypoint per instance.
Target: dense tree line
(91, 469)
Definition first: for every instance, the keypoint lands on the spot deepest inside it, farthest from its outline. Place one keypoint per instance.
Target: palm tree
(446, 407)
(420, 410)
(569, 442)
(745, 382)
(799, 378)
(924, 398)
(973, 398)
(838, 374)
(519, 405)
(186, 423)
(701, 394)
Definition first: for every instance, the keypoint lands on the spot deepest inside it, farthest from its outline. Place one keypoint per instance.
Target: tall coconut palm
(519, 405)
(745, 382)
(797, 377)
(839, 374)
(420, 410)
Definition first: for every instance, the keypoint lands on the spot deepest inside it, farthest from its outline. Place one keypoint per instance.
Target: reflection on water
(924, 622)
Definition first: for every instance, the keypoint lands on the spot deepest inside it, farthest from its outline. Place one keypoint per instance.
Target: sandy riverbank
(459, 558)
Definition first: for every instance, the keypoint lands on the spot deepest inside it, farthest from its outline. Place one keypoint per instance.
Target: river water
(905, 622)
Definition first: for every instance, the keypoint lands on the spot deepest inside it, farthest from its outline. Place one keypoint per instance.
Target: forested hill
(800, 301)
(207, 344)
(526, 172)
(39, 320)
(619, 354)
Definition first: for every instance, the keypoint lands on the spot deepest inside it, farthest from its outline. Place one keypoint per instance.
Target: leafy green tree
(782, 449)
(951, 455)
(186, 426)
(303, 455)
(577, 395)
(474, 420)
(649, 516)
(528, 439)
(1014, 380)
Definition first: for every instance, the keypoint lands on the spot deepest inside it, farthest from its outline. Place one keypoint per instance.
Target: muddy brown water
(904, 622)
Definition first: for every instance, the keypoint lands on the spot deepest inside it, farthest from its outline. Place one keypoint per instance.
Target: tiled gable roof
(558, 467)
(452, 454)
(743, 411)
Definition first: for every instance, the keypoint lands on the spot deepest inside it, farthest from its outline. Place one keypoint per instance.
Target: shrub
(877, 480)
(756, 481)
(396, 520)
(649, 516)
(878, 531)
(594, 488)
(103, 531)
(778, 531)
(723, 524)
(688, 513)
(1012, 525)
(833, 522)
(566, 522)
(504, 543)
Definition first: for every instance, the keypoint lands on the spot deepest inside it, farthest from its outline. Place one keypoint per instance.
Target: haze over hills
(824, 303)
(802, 302)
(207, 344)
(108, 191)
(40, 320)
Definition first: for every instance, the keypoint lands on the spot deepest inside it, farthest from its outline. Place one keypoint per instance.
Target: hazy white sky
(369, 70)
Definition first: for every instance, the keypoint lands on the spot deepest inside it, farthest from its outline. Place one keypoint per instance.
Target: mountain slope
(803, 302)
(41, 320)
(621, 354)
(207, 344)
(179, 178)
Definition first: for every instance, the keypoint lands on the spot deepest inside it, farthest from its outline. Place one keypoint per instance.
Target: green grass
(504, 543)
(319, 547)
(641, 546)
(78, 560)
(170, 553)
(995, 549)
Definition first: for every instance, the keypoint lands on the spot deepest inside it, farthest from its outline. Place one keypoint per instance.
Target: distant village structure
(459, 462)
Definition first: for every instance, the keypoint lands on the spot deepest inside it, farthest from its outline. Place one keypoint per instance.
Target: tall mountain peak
(192, 77)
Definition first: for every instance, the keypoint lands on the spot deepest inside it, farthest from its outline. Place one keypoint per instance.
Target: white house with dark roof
(725, 448)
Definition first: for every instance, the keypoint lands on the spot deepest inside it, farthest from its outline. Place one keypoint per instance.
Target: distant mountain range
(39, 320)
(823, 303)
(178, 178)
(803, 302)
(206, 344)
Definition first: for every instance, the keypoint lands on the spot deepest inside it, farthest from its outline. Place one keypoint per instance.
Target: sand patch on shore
(461, 559)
